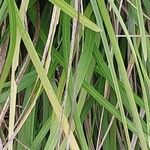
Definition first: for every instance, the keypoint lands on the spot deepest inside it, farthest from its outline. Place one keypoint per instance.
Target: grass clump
(74, 74)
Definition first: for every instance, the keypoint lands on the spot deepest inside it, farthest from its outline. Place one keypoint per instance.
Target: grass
(75, 75)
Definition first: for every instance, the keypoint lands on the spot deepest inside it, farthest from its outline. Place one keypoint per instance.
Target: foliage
(74, 74)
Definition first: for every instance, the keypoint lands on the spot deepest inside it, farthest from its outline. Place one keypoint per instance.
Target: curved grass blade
(13, 34)
(73, 13)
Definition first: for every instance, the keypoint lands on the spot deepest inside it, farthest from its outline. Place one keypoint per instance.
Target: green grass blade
(71, 12)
